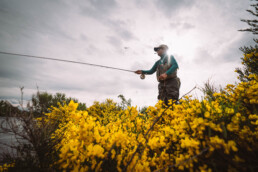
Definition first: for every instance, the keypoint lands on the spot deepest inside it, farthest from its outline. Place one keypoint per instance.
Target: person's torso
(164, 64)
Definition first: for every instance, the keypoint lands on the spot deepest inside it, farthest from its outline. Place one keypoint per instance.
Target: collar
(162, 58)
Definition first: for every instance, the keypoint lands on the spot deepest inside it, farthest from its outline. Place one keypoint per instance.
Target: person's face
(160, 51)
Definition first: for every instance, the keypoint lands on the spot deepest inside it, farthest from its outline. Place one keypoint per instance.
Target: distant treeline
(39, 104)
(7, 109)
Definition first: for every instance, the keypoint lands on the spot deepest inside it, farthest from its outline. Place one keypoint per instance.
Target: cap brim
(156, 48)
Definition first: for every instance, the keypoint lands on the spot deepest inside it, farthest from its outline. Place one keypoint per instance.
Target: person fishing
(166, 70)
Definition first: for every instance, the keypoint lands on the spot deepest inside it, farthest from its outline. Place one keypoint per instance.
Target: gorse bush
(249, 62)
(213, 134)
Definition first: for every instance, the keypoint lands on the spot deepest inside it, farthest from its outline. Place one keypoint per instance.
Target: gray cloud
(121, 29)
(83, 37)
(229, 55)
(114, 41)
(204, 57)
(170, 7)
(202, 36)
(98, 9)
(181, 26)
(18, 68)
(101, 10)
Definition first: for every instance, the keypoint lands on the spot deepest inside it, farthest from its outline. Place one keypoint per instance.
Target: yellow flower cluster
(105, 137)
(248, 57)
(250, 62)
(5, 167)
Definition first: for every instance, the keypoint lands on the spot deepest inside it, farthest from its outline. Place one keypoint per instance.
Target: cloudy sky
(202, 35)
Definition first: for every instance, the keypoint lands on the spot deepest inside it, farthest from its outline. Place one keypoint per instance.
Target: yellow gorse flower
(108, 134)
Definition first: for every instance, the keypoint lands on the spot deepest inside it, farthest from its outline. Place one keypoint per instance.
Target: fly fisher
(166, 71)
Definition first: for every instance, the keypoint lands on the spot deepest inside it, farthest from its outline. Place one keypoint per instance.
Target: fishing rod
(142, 76)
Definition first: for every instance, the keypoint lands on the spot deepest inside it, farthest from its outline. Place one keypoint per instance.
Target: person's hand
(138, 72)
(163, 76)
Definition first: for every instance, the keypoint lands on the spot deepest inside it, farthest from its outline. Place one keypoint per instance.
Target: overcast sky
(202, 35)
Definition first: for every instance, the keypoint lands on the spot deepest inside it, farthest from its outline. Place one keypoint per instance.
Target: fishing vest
(163, 68)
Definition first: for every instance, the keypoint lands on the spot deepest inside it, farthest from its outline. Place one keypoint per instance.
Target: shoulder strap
(169, 57)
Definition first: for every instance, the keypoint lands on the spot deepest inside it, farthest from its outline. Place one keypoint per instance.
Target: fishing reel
(142, 76)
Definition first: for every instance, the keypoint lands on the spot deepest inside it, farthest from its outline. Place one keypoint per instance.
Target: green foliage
(250, 64)
(36, 149)
(124, 102)
(7, 109)
(143, 110)
(42, 101)
(209, 89)
(253, 23)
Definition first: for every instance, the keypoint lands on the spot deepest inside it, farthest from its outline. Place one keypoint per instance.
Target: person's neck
(162, 55)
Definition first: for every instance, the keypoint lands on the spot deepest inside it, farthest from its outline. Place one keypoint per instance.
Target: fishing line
(69, 61)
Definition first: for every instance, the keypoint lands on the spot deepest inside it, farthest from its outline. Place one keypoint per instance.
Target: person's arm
(152, 70)
(173, 67)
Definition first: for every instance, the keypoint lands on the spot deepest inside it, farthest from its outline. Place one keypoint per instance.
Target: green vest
(163, 68)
